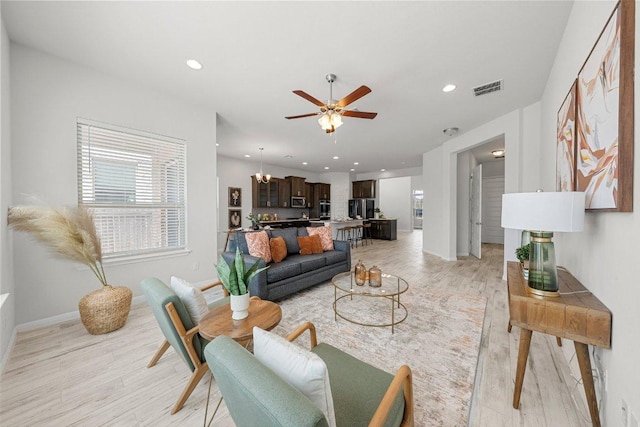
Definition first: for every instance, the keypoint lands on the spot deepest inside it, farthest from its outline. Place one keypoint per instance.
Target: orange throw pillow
(278, 248)
(310, 245)
(325, 234)
(258, 244)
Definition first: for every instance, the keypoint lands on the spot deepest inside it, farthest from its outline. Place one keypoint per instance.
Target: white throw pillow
(191, 297)
(301, 368)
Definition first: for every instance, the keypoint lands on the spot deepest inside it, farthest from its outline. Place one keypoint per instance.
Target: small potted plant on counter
(255, 221)
(378, 212)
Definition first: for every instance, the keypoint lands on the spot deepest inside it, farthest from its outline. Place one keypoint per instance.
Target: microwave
(298, 202)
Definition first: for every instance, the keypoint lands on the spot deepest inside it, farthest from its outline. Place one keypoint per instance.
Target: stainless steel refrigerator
(362, 208)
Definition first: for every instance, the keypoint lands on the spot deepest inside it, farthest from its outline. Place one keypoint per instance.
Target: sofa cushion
(278, 249)
(191, 297)
(302, 231)
(258, 244)
(290, 238)
(310, 245)
(335, 257)
(287, 268)
(312, 262)
(239, 241)
(326, 236)
(304, 370)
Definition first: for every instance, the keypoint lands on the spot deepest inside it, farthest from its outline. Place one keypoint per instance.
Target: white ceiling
(255, 53)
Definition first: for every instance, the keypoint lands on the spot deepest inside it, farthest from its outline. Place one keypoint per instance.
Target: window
(134, 184)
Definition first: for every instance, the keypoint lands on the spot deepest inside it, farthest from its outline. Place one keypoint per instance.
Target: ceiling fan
(331, 113)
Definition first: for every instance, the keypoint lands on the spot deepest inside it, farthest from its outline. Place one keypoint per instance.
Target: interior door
(475, 217)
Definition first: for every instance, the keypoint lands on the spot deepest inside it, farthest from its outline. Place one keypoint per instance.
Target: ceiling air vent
(488, 88)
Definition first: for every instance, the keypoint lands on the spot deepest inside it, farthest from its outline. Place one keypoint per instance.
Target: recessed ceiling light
(449, 88)
(356, 163)
(326, 167)
(335, 157)
(194, 65)
(217, 144)
(353, 170)
(498, 153)
(247, 155)
(305, 163)
(382, 170)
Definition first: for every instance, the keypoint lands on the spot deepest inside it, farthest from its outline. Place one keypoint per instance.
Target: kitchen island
(289, 222)
(336, 224)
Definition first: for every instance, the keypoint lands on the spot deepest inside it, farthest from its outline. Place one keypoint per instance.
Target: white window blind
(134, 184)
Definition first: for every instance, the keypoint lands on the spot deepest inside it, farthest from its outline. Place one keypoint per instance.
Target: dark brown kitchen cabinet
(284, 192)
(364, 189)
(265, 195)
(297, 186)
(322, 191)
(308, 194)
(385, 229)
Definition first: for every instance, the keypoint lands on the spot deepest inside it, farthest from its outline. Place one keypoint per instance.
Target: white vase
(239, 306)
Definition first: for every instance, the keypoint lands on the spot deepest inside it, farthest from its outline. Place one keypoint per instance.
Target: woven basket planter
(106, 309)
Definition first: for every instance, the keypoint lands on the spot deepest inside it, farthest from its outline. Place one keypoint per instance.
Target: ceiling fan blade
(359, 114)
(302, 115)
(308, 97)
(353, 96)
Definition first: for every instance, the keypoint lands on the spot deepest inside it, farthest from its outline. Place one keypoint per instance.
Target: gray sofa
(295, 272)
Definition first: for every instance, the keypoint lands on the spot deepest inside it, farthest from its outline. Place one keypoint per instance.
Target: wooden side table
(576, 315)
(264, 314)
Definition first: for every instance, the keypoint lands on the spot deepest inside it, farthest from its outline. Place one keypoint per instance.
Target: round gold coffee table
(392, 287)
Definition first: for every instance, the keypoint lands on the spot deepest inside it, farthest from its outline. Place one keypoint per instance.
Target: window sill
(132, 259)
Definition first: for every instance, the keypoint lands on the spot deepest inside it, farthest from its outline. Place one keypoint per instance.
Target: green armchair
(179, 331)
(362, 394)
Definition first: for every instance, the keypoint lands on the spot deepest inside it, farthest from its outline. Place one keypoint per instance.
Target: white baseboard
(8, 351)
(462, 254)
(64, 317)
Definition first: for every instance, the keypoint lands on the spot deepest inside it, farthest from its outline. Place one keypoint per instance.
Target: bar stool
(341, 232)
(366, 233)
(357, 234)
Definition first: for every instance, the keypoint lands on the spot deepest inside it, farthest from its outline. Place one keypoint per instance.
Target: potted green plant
(71, 234)
(378, 212)
(235, 278)
(255, 221)
(522, 253)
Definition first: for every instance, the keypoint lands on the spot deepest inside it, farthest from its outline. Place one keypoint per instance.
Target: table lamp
(542, 214)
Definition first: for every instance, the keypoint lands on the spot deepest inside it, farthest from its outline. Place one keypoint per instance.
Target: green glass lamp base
(543, 274)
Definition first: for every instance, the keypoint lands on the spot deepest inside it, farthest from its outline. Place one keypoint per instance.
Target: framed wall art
(235, 197)
(235, 218)
(566, 143)
(604, 122)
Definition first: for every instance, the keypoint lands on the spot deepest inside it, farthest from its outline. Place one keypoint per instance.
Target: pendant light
(260, 177)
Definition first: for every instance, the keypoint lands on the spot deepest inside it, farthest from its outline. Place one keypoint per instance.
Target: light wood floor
(62, 376)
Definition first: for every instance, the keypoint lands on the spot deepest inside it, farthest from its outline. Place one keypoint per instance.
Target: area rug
(439, 340)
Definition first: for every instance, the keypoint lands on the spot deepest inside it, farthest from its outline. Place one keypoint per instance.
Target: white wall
(492, 190)
(340, 192)
(48, 94)
(602, 257)
(517, 127)
(432, 203)
(7, 308)
(493, 168)
(395, 201)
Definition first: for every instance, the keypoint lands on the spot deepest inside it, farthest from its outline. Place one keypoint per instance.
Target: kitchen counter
(336, 224)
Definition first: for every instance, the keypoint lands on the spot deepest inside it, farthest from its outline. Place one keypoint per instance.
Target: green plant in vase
(522, 253)
(235, 278)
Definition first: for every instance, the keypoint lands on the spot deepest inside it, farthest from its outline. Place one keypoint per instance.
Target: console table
(576, 315)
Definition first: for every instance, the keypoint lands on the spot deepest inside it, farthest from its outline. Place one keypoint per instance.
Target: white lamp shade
(544, 211)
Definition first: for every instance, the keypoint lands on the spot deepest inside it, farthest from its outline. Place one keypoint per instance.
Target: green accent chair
(256, 396)
(179, 331)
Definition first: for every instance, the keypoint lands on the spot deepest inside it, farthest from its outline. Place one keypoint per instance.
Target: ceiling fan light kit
(332, 112)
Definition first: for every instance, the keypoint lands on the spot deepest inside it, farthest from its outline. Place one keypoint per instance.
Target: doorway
(417, 198)
(475, 212)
